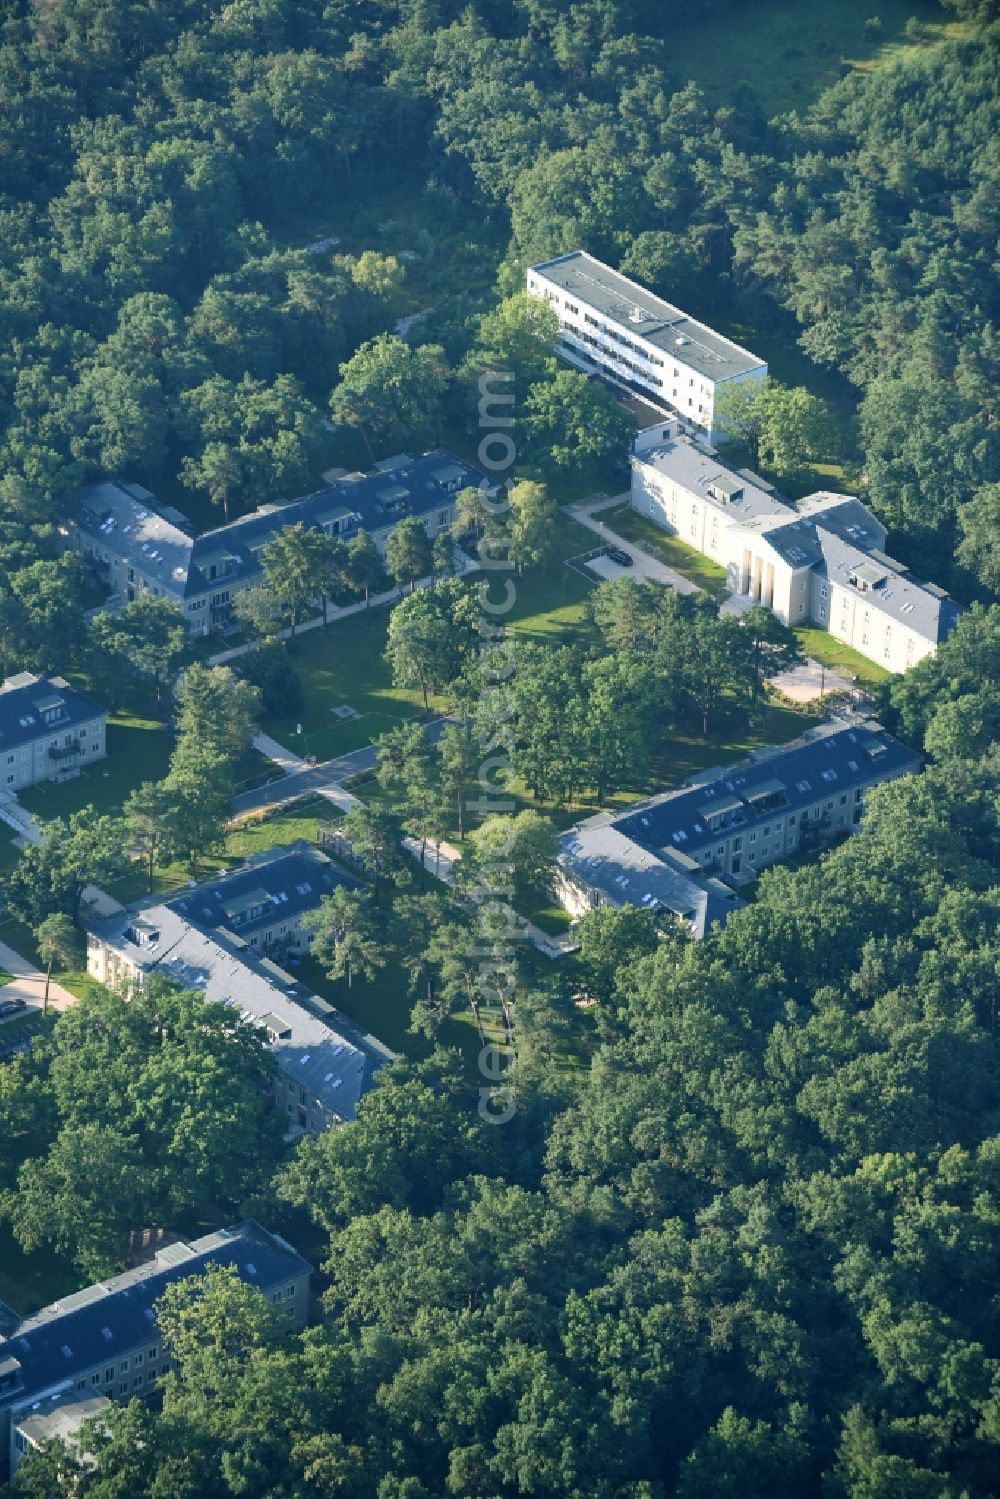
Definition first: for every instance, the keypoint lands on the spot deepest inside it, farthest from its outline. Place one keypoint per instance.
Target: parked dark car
(622, 558)
(10, 1007)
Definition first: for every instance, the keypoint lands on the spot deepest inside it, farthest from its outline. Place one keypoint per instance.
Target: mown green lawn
(345, 666)
(138, 750)
(250, 836)
(382, 1006)
(549, 600)
(790, 53)
(832, 653)
(669, 549)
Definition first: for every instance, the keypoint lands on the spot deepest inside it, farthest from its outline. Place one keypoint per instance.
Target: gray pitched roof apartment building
(687, 852)
(104, 1340)
(47, 730)
(137, 546)
(219, 939)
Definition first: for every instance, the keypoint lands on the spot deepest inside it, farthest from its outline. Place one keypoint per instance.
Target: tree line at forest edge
(157, 324)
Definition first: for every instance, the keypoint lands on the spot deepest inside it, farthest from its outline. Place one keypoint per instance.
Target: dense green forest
(751, 1249)
(748, 1244)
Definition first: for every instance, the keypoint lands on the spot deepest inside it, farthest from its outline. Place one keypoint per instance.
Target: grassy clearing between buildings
(139, 750)
(345, 666)
(30, 1281)
(666, 548)
(837, 656)
(348, 666)
(382, 1006)
(789, 53)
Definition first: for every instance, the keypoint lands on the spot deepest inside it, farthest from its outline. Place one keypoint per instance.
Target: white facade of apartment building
(613, 326)
(819, 562)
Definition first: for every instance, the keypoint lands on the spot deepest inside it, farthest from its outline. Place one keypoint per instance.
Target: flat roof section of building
(632, 307)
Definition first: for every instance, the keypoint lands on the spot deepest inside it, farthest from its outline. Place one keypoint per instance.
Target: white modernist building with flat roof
(613, 327)
(821, 561)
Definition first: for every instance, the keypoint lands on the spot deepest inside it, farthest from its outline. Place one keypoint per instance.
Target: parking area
(27, 984)
(643, 563)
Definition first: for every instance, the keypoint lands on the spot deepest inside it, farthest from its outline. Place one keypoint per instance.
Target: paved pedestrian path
(289, 761)
(644, 564)
(28, 983)
(325, 778)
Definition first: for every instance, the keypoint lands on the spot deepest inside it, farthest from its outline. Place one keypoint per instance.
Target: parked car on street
(10, 1007)
(622, 558)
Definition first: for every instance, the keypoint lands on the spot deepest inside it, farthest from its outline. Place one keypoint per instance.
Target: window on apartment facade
(109, 1375)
